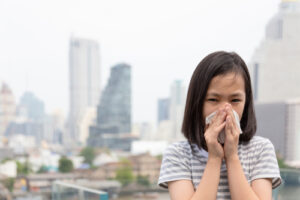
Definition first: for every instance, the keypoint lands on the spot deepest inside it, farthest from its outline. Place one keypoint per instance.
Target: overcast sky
(163, 40)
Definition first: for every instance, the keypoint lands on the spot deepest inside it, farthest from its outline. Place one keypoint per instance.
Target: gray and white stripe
(182, 161)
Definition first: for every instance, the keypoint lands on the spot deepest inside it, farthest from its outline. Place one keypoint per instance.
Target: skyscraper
(85, 82)
(275, 72)
(280, 123)
(114, 111)
(170, 113)
(30, 118)
(163, 109)
(177, 104)
(32, 106)
(275, 66)
(7, 108)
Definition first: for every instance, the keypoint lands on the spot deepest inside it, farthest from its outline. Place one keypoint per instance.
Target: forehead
(227, 83)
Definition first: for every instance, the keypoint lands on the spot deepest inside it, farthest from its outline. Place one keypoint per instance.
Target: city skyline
(161, 48)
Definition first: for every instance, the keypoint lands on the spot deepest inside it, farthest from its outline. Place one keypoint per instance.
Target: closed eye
(236, 100)
(212, 100)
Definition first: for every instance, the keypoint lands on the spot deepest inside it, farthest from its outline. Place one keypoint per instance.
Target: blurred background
(92, 92)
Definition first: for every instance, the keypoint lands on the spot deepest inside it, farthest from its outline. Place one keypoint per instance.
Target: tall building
(163, 109)
(275, 65)
(30, 118)
(85, 82)
(114, 111)
(177, 104)
(275, 72)
(170, 114)
(31, 107)
(280, 122)
(143, 130)
(7, 108)
(54, 127)
(30, 129)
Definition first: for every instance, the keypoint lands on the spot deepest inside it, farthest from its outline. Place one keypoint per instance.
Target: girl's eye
(212, 100)
(236, 100)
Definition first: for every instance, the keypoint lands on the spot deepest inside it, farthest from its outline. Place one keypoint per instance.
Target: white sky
(163, 40)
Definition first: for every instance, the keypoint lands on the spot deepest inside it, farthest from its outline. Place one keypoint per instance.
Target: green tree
(9, 183)
(282, 164)
(124, 174)
(143, 180)
(89, 155)
(23, 168)
(159, 157)
(65, 165)
(42, 169)
(5, 160)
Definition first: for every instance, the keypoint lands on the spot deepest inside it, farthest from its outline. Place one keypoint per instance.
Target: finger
(214, 117)
(221, 127)
(215, 131)
(221, 117)
(229, 111)
(213, 120)
(229, 126)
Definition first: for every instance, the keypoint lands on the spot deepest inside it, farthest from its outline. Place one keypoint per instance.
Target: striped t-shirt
(182, 161)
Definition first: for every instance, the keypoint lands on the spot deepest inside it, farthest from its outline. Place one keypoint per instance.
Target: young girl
(201, 168)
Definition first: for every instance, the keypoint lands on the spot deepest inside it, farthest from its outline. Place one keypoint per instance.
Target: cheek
(240, 110)
(207, 110)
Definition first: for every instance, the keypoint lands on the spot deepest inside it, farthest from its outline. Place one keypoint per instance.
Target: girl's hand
(232, 134)
(215, 149)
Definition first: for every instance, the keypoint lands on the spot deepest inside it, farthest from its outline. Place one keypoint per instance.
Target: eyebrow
(237, 94)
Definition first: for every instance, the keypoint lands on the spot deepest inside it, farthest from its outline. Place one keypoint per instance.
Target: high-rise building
(54, 127)
(177, 104)
(31, 129)
(114, 111)
(275, 72)
(280, 122)
(275, 66)
(163, 109)
(31, 107)
(170, 113)
(7, 108)
(29, 120)
(85, 82)
(143, 130)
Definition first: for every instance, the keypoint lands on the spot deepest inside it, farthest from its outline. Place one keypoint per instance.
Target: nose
(224, 105)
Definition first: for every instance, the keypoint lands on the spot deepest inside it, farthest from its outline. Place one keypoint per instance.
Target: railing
(290, 187)
(288, 190)
(66, 191)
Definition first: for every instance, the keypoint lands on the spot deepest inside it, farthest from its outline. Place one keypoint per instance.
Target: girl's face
(225, 89)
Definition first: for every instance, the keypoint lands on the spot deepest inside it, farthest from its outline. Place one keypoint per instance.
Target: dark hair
(217, 63)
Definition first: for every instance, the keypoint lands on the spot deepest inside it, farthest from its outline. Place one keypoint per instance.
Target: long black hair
(217, 63)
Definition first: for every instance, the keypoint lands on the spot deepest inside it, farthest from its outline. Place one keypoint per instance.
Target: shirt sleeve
(265, 165)
(175, 165)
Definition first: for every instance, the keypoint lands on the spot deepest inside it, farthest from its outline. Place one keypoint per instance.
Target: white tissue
(221, 137)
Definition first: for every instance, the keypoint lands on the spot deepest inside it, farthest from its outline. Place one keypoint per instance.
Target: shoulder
(178, 149)
(179, 146)
(258, 143)
(258, 140)
(176, 163)
(262, 160)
